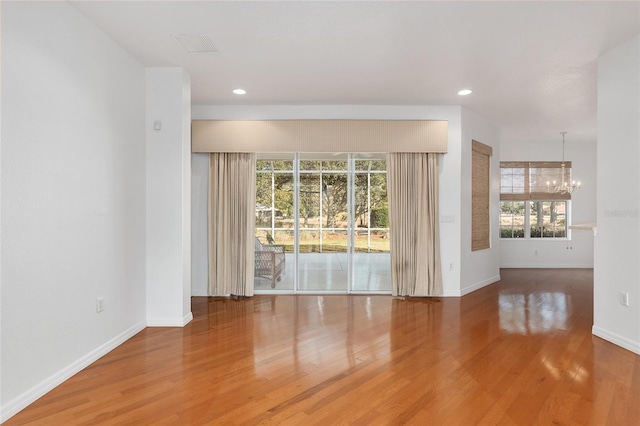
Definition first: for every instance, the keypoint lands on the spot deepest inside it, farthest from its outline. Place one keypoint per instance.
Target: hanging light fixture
(565, 185)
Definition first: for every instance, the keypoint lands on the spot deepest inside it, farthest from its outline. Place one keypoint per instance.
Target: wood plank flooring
(518, 352)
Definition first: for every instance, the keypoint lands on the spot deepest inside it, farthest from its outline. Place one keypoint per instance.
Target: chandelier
(564, 186)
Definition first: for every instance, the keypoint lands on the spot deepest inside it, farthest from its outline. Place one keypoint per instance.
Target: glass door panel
(322, 260)
(275, 223)
(371, 261)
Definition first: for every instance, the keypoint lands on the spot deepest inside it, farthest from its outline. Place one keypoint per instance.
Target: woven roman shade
(522, 180)
(480, 190)
(319, 136)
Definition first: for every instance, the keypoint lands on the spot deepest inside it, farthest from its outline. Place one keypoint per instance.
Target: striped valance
(319, 136)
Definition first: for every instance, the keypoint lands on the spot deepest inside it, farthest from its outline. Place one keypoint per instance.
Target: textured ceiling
(532, 66)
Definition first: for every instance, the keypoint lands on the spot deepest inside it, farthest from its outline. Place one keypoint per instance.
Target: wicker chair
(270, 261)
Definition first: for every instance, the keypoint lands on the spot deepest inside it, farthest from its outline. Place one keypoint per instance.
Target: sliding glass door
(323, 230)
(322, 223)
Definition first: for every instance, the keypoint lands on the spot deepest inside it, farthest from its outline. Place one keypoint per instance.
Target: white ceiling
(531, 65)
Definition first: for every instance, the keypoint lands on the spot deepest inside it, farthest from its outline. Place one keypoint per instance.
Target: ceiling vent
(196, 43)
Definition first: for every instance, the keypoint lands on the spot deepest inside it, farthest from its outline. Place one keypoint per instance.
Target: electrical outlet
(100, 304)
(624, 299)
(535, 252)
(451, 266)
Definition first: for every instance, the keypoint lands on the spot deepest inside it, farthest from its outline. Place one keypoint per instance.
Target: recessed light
(464, 92)
(239, 91)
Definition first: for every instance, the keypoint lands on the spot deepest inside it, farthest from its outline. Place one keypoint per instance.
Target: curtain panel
(232, 200)
(413, 183)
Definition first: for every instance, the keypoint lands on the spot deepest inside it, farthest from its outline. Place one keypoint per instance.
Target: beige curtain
(232, 203)
(412, 180)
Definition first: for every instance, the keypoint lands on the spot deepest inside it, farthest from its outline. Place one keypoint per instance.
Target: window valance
(319, 136)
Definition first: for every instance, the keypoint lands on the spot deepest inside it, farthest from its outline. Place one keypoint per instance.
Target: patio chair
(270, 261)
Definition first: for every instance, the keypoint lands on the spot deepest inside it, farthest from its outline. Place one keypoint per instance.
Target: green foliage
(547, 233)
(320, 180)
(334, 196)
(511, 233)
(380, 218)
(512, 207)
(309, 202)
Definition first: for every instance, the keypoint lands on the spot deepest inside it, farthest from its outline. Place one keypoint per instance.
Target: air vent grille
(196, 43)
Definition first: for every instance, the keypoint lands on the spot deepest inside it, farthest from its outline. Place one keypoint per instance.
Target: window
(548, 219)
(527, 208)
(512, 219)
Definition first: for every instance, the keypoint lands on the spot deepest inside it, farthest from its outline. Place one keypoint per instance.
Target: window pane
(543, 177)
(334, 200)
(548, 219)
(372, 165)
(286, 165)
(274, 200)
(310, 200)
(334, 165)
(379, 165)
(375, 242)
(263, 200)
(371, 207)
(263, 165)
(512, 219)
(310, 165)
(283, 200)
(512, 180)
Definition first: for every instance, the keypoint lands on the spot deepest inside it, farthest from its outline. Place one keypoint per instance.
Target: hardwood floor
(518, 352)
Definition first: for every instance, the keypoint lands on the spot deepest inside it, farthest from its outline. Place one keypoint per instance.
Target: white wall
(617, 244)
(73, 197)
(578, 252)
(199, 226)
(449, 167)
(482, 267)
(168, 103)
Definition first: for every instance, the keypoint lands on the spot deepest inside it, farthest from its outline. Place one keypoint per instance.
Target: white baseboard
(616, 339)
(547, 265)
(20, 402)
(199, 292)
(187, 319)
(472, 288)
(170, 322)
(479, 285)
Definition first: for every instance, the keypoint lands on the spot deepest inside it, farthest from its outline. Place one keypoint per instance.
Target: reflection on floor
(533, 313)
(329, 272)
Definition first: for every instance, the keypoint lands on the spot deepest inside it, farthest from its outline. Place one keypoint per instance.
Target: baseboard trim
(616, 339)
(547, 265)
(187, 319)
(199, 292)
(170, 322)
(20, 402)
(479, 285)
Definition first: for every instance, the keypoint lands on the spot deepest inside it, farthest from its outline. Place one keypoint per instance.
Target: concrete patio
(328, 272)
